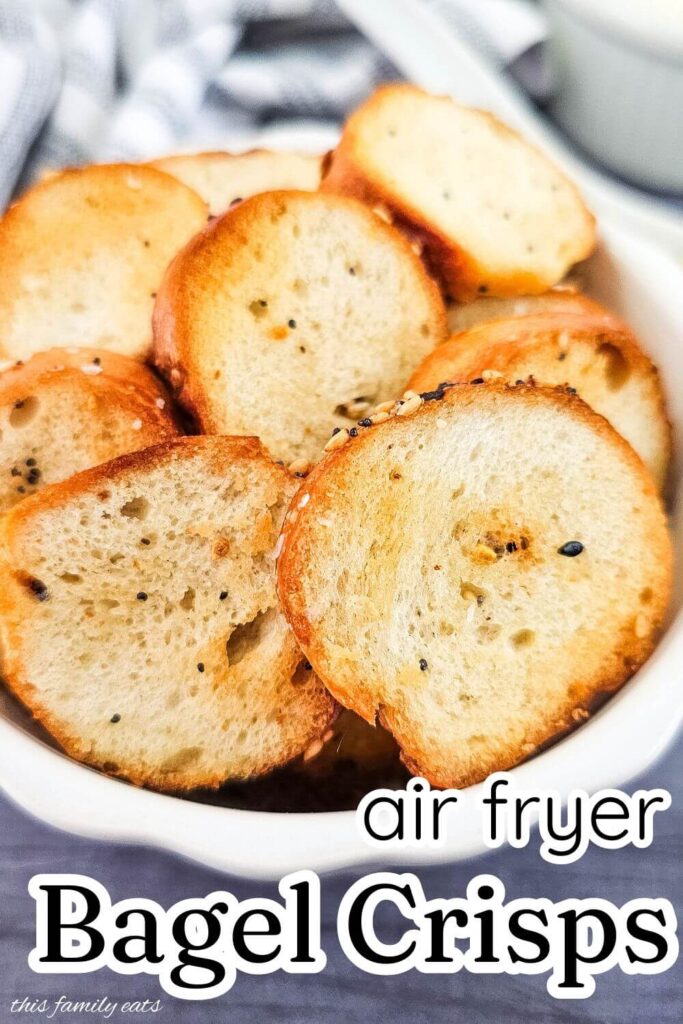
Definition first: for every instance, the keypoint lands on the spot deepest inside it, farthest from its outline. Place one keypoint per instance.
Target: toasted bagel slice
(463, 315)
(293, 314)
(495, 216)
(598, 357)
(224, 179)
(140, 619)
(69, 409)
(82, 255)
(478, 575)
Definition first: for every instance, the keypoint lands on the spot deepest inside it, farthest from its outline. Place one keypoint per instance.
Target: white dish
(621, 741)
(618, 73)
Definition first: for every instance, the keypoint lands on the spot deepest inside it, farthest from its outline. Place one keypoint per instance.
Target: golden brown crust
(334, 474)
(84, 210)
(225, 451)
(179, 360)
(133, 384)
(498, 342)
(460, 275)
(498, 345)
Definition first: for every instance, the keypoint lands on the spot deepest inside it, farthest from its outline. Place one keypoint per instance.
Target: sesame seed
(200, 666)
(409, 406)
(313, 750)
(141, 595)
(433, 396)
(339, 438)
(484, 553)
(137, 424)
(38, 588)
(160, 403)
(571, 549)
(423, 665)
(115, 718)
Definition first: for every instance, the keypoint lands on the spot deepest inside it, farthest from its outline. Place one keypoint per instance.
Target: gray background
(342, 994)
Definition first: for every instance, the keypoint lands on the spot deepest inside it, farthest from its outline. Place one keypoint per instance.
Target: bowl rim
(661, 40)
(265, 845)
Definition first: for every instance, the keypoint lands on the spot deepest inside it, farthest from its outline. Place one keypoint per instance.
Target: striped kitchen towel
(98, 80)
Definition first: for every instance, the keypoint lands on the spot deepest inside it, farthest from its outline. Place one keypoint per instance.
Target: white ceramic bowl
(622, 740)
(618, 71)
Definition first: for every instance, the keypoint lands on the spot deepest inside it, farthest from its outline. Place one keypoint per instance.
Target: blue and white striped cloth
(85, 80)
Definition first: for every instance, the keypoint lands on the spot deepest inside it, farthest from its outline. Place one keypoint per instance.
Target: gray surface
(342, 994)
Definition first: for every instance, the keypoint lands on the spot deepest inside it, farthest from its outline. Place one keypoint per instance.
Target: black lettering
(495, 801)
(397, 804)
(572, 957)
(520, 806)
(647, 935)
(148, 938)
(303, 917)
(355, 924)
(55, 926)
(537, 938)
(437, 919)
(598, 815)
(186, 956)
(438, 807)
(240, 933)
(557, 834)
(644, 806)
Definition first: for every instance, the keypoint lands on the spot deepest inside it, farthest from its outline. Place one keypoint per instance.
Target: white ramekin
(618, 73)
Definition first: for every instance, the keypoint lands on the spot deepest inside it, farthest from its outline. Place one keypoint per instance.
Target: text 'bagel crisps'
(479, 571)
